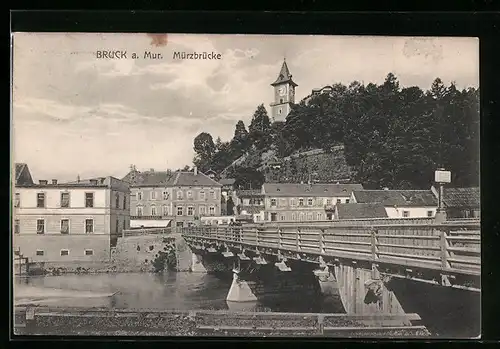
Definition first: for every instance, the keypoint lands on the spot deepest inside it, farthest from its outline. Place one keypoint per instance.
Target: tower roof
(284, 76)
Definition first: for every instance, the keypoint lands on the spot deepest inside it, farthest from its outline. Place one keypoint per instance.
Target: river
(171, 290)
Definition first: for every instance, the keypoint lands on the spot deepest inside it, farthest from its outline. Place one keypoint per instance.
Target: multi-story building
(400, 203)
(304, 202)
(77, 221)
(251, 203)
(151, 202)
(166, 196)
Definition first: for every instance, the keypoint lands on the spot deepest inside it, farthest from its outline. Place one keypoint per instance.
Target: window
(180, 224)
(117, 226)
(64, 226)
(64, 199)
(139, 211)
(89, 199)
(64, 252)
(346, 201)
(301, 216)
(40, 200)
(273, 217)
(139, 195)
(281, 101)
(40, 226)
(309, 217)
(202, 195)
(309, 202)
(189, 194)
(212, 211)
(17, 226)
(279, 111)
(179, 210)
(17, 200)
(153, 195)
(301, 202)
(89, 226)
(153, 211)
(339, 201)
(282, 217)
(165, 210)
(179, 194)
(165, 195)
(293, 202)
(124, 202)
(406, 213)
(319, 216)
(39, 252)
(430, 213)
(190, 211)
(328, 202)
(213, 195)
(202, 210)
(89, 252)
(117, 200)
(294, 217)
(273, 202)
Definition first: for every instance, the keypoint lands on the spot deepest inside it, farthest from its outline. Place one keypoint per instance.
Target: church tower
(284, 94)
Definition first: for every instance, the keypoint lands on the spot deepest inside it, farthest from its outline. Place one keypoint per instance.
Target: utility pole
(441, 177)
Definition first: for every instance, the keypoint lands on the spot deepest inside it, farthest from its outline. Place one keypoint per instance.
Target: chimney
(78, 179)
(43, 182)
(195, 171)
(102, 179)
(54, 181)
(93, 181)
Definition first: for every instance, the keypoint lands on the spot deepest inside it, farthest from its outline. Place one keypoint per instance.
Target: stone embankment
(209, 323)
(144, 253)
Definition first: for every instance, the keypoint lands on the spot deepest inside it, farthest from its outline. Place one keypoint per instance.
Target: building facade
(251, 203)
(63, 222)
(304, 202)
(400, 203)
(177, 198)
(284, 94)
(460, 202)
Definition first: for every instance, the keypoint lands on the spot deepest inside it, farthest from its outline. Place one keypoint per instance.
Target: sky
(74, 114)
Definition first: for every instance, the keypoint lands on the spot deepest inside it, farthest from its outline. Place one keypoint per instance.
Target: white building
(78, 221)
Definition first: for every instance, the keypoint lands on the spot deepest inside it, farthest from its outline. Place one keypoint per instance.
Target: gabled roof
(316, 189)
(149, 178)
(355, 210)
(189, 179)
(408, 198)
(22, 175)
(462, 197)
(284, 76)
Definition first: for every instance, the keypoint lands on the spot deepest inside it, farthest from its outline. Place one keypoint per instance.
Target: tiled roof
(355, 210)
(190, 179)
(462, 197)
(22, 175)
(294, 189)
(397, 197)
(149, 178)
(284, 76)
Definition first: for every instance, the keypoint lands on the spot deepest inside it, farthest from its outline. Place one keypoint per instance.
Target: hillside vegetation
(378, 135)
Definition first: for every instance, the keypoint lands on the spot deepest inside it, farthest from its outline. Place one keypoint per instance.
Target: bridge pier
(240, 290)
(197, 264)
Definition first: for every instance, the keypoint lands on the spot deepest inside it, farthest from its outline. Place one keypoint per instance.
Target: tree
(240, 141)
(230, 206)
(260, 128)
(247, 178)
(204, 148)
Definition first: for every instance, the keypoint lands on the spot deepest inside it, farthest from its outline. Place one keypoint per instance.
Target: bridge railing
(450, 246)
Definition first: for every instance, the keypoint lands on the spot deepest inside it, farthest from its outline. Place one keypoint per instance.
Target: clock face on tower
(282, 91)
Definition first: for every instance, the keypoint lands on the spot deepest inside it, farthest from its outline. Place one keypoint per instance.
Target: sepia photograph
(227, 185)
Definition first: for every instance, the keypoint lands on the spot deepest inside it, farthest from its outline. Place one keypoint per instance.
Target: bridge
(357, 260)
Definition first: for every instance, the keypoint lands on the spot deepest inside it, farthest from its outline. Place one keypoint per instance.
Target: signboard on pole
(442, 176)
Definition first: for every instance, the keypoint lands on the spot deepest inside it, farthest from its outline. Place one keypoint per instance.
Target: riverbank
(105, 322)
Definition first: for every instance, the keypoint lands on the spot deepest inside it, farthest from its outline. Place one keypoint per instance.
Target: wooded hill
(392, 137)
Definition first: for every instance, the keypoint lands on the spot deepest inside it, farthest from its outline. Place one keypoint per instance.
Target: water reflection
(182, 291)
